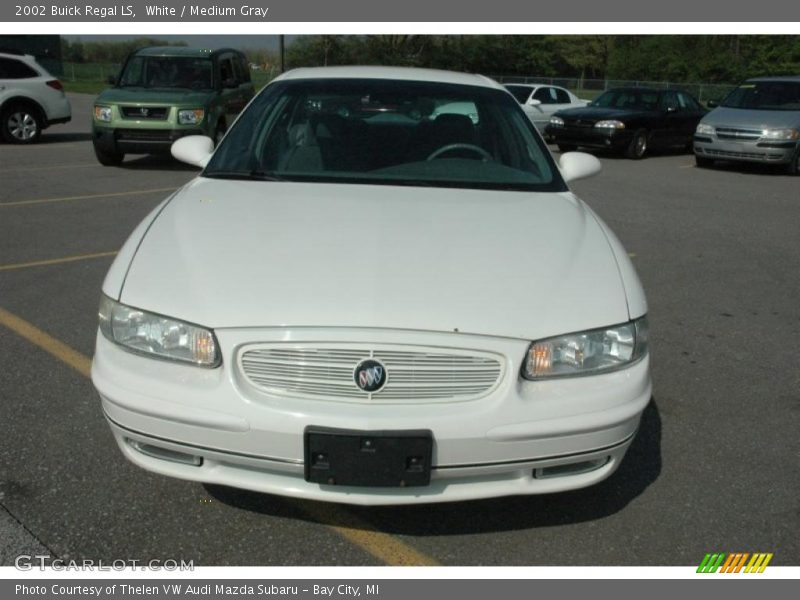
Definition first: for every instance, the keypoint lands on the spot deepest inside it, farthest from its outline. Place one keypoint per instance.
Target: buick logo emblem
(370, 375)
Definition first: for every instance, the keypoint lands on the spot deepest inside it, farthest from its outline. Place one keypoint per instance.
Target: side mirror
(195, 150)
(534, 102)
(577, 165)
(112, 79)
(712, 104)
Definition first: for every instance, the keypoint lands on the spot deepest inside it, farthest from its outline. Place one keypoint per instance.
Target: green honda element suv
(165, 93)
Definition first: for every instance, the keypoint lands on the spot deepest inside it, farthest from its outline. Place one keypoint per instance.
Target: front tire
(702, 162)
(108, 158)
(638, 145)
(21, 124)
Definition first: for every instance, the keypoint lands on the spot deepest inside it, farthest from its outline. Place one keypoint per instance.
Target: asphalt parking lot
(715, 467)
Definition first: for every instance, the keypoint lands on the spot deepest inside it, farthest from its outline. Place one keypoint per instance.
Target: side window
(544, 95)
(226, 71)
(15, 69)
(687, 102)
(237, 69)
(669, 101)
(562, 97)
(244, 69)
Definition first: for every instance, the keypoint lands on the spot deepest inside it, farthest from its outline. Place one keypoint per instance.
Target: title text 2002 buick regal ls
(379, 290)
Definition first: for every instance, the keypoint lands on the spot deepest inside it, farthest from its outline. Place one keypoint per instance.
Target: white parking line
(86, 197)
(50, 168)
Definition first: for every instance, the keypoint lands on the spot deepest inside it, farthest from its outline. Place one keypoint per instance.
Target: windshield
(765, 95)
(630, 99)
(386, 132)
(172, 72)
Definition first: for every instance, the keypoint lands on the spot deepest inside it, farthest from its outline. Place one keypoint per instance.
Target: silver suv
(759, 121)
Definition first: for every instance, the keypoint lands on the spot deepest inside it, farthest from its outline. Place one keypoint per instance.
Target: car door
(541, 106)
(668, 130)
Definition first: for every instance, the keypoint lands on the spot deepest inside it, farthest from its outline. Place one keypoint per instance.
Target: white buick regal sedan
(367, 298)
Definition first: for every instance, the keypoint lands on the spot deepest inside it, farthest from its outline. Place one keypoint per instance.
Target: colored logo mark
(735, 562)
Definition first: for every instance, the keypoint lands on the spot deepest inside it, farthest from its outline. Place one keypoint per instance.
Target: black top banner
(451, 11)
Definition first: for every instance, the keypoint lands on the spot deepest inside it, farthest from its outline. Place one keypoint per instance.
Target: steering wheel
(460, 146)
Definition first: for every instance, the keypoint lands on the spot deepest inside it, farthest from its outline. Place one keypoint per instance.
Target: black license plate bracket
(368, 458)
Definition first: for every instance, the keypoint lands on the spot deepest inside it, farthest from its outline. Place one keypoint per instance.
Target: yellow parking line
(382, 546)
(55, 261)
(87, 197)
(82, 364)
(50, 168)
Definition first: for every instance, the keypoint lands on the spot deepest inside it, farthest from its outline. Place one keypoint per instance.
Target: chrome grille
(734, 133)
(582, 123)
(414, 374)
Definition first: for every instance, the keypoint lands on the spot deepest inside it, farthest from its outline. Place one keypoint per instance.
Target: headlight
(190, 117)
(780, 134)
(157, 336)
(102, 113)
(588, 352)
(610, 124)
(704, 129)
(556, 121)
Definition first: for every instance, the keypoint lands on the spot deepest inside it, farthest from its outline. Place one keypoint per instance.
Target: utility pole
(283, 54)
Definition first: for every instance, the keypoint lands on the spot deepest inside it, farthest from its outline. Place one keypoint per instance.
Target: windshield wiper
(254, 175)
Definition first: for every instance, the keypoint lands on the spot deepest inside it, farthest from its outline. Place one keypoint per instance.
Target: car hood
(596, 113)
(248, 254)
(137, 95)
(752, 119)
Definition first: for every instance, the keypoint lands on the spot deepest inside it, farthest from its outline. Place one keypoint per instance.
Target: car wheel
(22, 124)
(702, 162)
(567, 147)
(638, 146)
(108, 158)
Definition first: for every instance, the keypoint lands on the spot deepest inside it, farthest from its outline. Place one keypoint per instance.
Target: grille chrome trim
(736, 133)
(324, 371)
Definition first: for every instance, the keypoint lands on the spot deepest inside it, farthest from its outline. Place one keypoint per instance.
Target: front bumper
(139, 140)
(590, 137)
(228, 433)
(707, 146)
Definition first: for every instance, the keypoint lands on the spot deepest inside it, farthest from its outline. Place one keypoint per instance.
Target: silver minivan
(759, 122)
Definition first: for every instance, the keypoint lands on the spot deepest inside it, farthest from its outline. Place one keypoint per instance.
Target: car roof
(180, 51)
(401, 73)
(642, 89)
(18, 55)
(533, 85)
(789, 78)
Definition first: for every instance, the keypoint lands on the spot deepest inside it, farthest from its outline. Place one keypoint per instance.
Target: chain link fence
(591, 88)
